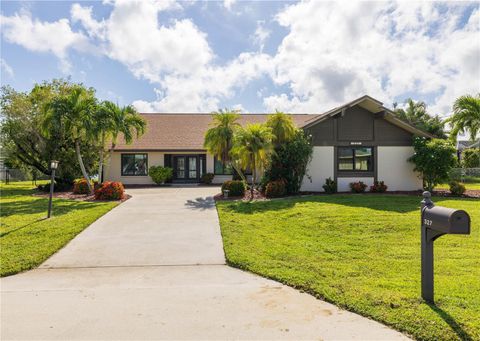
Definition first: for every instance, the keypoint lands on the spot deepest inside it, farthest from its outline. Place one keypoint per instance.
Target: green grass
(27, 238)
(362, 252)
(468, 185)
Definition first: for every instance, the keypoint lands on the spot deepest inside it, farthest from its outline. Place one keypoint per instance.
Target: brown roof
(187, 131)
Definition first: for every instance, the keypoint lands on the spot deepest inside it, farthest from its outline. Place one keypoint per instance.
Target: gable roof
(186, 132)
(375, 106)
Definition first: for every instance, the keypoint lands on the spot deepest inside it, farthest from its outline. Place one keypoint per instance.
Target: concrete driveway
(154, 268)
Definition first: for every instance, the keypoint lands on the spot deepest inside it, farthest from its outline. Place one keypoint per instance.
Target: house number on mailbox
(427, 222)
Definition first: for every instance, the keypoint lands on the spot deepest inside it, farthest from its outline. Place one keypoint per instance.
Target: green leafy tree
(112, 120)
(466, 116)
(73, 114)
(282, 126)
(416, 114)
(219, 137)
(253, 146)
(433, 159)
(24, 143)
(471, 158)
(289, 162)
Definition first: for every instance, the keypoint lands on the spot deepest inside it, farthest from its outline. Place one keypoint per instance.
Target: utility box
(435, 222)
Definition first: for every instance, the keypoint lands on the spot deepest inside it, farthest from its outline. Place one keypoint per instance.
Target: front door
(185, 168)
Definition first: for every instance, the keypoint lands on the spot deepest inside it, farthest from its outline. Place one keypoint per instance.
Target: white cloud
(338, 51)
(228, 4)
(6, 69)
(261, 34)
(48, 37)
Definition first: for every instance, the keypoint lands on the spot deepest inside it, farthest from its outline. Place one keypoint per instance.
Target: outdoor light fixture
(53, 167)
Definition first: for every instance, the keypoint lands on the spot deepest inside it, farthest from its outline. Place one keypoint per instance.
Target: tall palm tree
(282, 126)
(466, 116)
(219, 137)
(73, 114)
(253, 146)
(125, 121)
(111, 120)
(416, 114)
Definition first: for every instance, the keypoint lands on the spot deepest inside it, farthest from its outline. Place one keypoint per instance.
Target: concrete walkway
(154, 268)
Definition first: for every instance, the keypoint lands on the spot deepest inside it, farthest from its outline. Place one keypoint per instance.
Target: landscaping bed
(362, 252)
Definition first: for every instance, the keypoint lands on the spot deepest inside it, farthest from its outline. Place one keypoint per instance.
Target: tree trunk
(254, 177)
(100, 164)
(82, 166)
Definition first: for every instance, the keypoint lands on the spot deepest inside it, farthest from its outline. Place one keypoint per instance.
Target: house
(358, 141)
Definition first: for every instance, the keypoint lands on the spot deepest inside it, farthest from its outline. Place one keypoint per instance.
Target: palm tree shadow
(201, 203)
(21, 227)
(461, 333)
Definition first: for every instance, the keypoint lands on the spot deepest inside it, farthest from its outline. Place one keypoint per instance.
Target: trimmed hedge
(207, 178)
(160, 174)
(110, 190)
(236, 188)
(275, 188)
(80, 186)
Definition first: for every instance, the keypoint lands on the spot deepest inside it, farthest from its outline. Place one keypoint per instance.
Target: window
(220, 168)
(134, 164)
(358, 159)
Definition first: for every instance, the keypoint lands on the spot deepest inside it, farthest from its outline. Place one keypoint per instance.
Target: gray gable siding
(358, 125)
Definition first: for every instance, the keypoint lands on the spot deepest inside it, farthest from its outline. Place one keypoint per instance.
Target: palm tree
(112, 120)
(73, 114)
(219, 137)
(282, 126)
(253, 147)
(466, 116)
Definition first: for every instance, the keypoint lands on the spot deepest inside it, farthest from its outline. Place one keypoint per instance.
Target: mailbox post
(435, 222)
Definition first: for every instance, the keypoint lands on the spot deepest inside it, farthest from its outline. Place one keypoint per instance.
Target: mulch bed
(440, 193)
(78, 197)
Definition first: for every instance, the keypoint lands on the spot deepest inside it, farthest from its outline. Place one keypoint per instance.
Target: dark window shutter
(167, 161)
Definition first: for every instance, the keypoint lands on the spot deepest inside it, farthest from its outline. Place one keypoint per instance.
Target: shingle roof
(186, 131)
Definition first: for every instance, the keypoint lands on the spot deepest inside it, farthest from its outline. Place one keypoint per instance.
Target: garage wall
(320, 168)
(395, 170)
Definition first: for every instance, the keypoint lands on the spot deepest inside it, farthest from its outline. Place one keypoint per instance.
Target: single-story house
(358, 141)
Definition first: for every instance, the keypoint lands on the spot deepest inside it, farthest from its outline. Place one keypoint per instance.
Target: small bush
(58, 187)
(110, 191)
(456, 188)
(378, 187)
(207, 178)
(275, 188)
(330, 186)
(236, 188)
(160, 174)
(80, 186)
(358, 187)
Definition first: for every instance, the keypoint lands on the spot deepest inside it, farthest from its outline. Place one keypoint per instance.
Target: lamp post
(53, 167)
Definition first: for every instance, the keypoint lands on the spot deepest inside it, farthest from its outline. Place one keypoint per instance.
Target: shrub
(330, 186)
(378, 187)
(457, 188)
(433, 159)
(275, 188)
(236, 188)
(58, 187)
(110, 190)
(207, 178)
(358, 187)
(471, 158)
(80, 186)
(160, 174)
(290, 162)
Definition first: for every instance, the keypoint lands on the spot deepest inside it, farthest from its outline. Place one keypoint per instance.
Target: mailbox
(446, 220)
(435, 222)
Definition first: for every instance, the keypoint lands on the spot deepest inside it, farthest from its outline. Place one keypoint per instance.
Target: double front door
(188, 168)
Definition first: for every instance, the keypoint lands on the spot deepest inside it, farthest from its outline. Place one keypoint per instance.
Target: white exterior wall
(395, 170)
(343, 184)
(320, 168)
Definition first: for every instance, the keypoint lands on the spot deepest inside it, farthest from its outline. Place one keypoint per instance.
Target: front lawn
(362, 252)
(26, 237)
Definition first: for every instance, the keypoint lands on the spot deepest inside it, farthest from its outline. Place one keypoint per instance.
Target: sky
(297, 57)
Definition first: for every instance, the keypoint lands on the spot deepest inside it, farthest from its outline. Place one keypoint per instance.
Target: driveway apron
(154, 268)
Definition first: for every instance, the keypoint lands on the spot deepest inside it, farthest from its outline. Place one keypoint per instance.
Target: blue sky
(256, 56)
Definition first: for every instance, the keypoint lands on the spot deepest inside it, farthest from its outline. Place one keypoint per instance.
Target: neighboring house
(359, 141)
